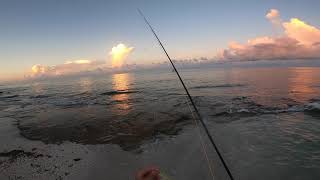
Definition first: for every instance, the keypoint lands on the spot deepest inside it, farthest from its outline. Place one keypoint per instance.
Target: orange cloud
(302, 32)
(300, 40)
(119, 53)
(39, 69)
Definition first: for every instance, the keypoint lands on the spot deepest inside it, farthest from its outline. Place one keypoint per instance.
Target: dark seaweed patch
(92, 126)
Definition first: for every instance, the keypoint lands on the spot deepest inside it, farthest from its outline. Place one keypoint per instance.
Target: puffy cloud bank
(299, 41)
(68, 68)
(119, 54)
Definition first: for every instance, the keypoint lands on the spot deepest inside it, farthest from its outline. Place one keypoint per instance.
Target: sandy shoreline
(246, 145)
(179, 157)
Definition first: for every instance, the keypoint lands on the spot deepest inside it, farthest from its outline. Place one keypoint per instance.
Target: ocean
(264, 116)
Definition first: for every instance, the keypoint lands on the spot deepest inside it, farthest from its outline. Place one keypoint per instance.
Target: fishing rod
(190, 98)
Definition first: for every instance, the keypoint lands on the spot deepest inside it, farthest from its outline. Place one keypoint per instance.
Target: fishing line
(203, 145)
(190, 98)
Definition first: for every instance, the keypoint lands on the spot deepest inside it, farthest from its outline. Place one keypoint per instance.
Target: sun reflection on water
(121, 83)
(37, 88)
(301, 82)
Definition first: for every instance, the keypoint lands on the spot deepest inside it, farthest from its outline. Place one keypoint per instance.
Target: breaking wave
(313, 107)
(239, 107)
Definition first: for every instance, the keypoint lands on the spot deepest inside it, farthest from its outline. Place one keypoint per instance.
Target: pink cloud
(274, 16)
(299, 40)
(69, 67)
(273, 13)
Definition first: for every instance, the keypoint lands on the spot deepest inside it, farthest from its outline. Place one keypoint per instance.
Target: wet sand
(178, 157)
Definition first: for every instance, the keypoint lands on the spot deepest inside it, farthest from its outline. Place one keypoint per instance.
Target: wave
(313, 107)
(235, 108)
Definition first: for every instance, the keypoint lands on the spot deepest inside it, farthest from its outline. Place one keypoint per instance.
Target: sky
(40, 36)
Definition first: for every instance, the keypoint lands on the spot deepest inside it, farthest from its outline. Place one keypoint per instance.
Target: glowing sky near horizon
(51, 33)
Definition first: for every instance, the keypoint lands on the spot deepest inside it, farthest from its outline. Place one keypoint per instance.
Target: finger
(155, 175)
(151, 169)
(154, 169)
(140, 174)
(144, 173)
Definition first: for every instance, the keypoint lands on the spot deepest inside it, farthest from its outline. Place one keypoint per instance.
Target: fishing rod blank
(190, 98)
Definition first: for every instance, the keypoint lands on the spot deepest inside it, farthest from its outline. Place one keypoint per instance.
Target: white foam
(314, 106)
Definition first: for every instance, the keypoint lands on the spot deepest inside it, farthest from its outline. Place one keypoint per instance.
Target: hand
(150, 173)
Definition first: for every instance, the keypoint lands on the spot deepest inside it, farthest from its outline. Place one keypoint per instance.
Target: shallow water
(265, 117)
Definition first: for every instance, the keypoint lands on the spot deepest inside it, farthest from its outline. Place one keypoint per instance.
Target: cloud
(274, 16)
(39, 69)
(299, 40)
(119, 54)
(82, 61)
(302, 32)
(68, 68)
